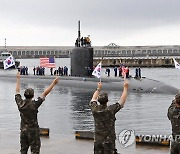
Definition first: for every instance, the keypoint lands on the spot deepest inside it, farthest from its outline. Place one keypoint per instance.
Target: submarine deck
(145, 85)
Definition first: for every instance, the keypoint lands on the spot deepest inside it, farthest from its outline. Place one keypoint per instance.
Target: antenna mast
(79, 33)
(5, 43)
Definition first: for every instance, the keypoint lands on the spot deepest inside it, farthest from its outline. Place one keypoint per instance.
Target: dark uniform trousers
(30, 138)
(175, 147)
(101, 147)
(174, 117)
(104, 117)
(30, 134)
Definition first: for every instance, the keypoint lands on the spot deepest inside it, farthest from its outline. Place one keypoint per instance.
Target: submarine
(81, 75)
(82, 67)
(145, 85)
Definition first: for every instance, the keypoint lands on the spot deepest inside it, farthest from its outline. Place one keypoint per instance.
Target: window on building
(109, 52)
(118, 52)
(144, 52)
(133, 51)
(48, 52)
(102, 51)
(164, 51)
(154, 52)
(52, 52)
(60, 52)
(175, 51)
(139, 52)
(32, 52)
(169, 51)
(112, 52)
(14, 53)
(123, 52)
(27, 52)
(129, 52)
(40, 52)
(149, 51)
(160, 51)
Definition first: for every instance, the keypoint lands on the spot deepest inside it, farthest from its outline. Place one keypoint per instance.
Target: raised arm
(18, 83)
(96, 93)
(46, 92)
(124, 94)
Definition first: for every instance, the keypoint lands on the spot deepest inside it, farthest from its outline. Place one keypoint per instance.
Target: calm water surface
(66, 109)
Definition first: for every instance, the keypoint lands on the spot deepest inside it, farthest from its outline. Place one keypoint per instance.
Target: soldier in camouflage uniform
(28, 108)
(104, 117)
(174, 117)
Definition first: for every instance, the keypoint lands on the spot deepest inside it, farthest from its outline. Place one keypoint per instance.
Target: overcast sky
(123, 22)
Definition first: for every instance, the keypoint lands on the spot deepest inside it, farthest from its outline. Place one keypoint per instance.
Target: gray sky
(123, 22)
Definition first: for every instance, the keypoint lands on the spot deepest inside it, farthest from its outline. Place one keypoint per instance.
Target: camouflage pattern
(175, 148)
(30, 135)
(174, 117)
(104, 118)
(177, 98)
(104, 148)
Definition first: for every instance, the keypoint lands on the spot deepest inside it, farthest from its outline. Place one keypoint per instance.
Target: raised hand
(18, 75)
(56, 80)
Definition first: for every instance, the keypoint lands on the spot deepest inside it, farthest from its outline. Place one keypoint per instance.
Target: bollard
(84, 135)
(44, 131)
(159, 140)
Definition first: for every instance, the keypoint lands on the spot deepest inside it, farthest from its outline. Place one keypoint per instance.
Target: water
(66, 109)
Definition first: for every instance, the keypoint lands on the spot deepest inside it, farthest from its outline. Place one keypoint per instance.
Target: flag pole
(124, 76)
(101, 67)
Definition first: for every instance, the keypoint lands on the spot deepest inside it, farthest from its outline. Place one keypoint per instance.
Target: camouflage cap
(29, 92)
(103, 98)
(177, 98)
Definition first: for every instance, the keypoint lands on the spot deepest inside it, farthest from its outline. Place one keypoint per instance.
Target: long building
(111, 50)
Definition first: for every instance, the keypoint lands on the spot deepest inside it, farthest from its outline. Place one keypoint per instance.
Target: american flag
(47, 62)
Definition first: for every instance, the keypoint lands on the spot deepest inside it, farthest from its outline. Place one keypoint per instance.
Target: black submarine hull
(145, 85)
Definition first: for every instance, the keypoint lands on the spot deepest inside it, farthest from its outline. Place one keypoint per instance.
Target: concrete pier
(67, 144)
(137, 62)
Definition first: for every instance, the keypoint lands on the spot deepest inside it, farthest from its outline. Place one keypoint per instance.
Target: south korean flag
(177, 65)
(9, 62)
(97, 71)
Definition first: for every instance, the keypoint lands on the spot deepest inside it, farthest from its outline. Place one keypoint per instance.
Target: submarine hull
(144, 85)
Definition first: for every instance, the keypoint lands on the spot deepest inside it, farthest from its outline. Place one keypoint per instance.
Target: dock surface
(67, 144)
